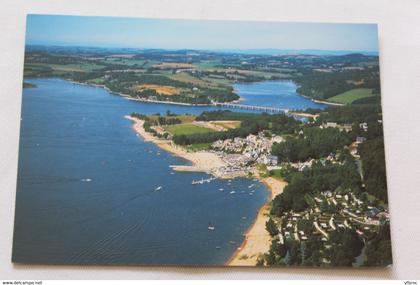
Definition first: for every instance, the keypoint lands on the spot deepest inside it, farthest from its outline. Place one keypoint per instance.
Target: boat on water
(86, 180)
(232, 192)
(220, 189)
(211, 227)
(252, 185)
(202, 180)
(158, 188)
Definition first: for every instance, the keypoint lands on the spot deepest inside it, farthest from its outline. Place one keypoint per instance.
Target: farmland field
(187, 129)
(183, 118)
(160, 89)
(350, 96)
(228, 124)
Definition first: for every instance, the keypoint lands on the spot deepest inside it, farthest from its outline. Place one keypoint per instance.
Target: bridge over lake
(254, 107)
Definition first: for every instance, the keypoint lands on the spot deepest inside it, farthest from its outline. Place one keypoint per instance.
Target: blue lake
(86, 187)
(280, 93)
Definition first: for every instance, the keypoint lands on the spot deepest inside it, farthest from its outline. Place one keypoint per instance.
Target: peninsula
(257, 240)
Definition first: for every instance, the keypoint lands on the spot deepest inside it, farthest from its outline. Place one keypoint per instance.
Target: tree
(374, 172)
(378, 249)
(271, 227)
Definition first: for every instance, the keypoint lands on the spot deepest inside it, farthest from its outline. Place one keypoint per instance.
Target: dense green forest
(378, 248)
(373, 160)
(324, 85)
(313, 142)
(351, 114)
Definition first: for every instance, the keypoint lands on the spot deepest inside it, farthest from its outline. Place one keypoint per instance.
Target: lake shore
(202, 161)
(321, 101)
(238, 101)
(257, 240)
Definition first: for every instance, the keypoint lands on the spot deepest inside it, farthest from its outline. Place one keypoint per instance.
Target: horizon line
(226, 50)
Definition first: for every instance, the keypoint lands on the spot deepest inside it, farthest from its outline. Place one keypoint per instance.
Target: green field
(59, 69)
(198, 146)
(350, 96)
(187, 129)
(183, 118)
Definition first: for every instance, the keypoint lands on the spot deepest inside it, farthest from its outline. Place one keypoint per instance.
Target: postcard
(201, 143)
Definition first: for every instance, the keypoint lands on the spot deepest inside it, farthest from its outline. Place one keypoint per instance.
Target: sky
(197, 34)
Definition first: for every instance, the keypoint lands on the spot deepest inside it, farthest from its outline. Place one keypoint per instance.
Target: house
(270, 160)
(330, 125)
(363, 126)
(346, 127)
(360, 140)
(317, 199)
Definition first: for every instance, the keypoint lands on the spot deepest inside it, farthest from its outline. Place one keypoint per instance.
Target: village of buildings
(327, 211)
(243, 154)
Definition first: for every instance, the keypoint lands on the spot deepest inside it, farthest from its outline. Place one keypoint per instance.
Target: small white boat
(197, 182)
(232, 192)
(158, 188)
(210, 227)
(220, 189)
(86, 180)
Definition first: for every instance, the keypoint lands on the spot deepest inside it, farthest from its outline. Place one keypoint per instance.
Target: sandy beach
(257, 239)
(203, 161)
